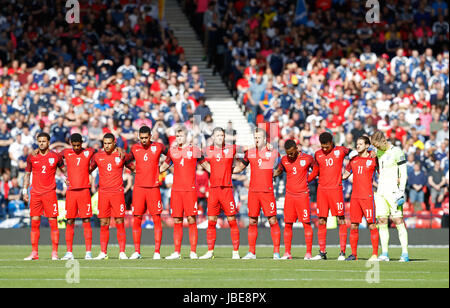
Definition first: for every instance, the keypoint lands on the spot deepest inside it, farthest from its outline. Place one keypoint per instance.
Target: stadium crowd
(121, 68)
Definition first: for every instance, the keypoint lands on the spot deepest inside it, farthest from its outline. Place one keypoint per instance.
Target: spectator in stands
(436, 182)
(417, 180)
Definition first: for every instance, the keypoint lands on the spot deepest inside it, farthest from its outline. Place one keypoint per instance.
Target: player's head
(76, 140)
(260, 136)
(218, 137)
(181, 135)
(145, 134)
(109, 143)
(291, 149)
(362, 144)
(43, 141)
(379, 140)
(326, 142)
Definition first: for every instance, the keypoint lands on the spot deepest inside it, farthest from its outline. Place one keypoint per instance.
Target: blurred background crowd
(121, 68)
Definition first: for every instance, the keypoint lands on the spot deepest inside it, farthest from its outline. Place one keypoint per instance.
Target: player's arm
(206, 165)
(315, 171)
(348, 171)
(242, 163)
(402, 171)
(166, 164)
(278, 171)
(129, 158)
(93, 164)
(26, 179)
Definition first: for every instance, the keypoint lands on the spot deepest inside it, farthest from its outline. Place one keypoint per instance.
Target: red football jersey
(110, 169)
(329, 167)
(363, 169)
(185, 166)
(147, 164)
(77, 167)
(221, 161)
(262, 163)
(297, 172)
(43, 170)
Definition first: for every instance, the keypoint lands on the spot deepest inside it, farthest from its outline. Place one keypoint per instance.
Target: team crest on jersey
(51, 161)
(368, 163)
(117, 160)
(226, 151)
(153, 148)
(303, 163)
(336, 153)
(189, 154)
(268, 154)
(86, 154)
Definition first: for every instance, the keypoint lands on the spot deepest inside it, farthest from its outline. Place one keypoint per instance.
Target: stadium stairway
(222, 105)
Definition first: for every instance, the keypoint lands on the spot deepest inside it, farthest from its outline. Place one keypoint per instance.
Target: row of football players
(221, 162)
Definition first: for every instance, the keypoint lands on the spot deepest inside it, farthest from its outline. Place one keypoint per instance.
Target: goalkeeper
(390, 194)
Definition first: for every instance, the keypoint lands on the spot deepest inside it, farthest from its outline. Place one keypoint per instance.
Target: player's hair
(260, 130)
(365, 138)
(43, 134)
(378, 137)
(325, 137)
(181, 128)
(76, 137)
(109, 136)
(289, 144)
(145, 130)
(218, 129)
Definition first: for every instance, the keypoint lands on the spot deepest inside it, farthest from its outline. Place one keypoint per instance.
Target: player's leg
(336, 199)
(369, 212)
(190, 205)
(104, 214)
(254, 209)
(270, 211)
(118, 212)
(235, 237)
(290, 217)
(87, 232)
(155, 209)
(322, 213)
(382, 214)
(303, 209)
(139, 208)
(71, 214)
(36, 210)
(176, 206)
(70, 231)
(403, 237)
(84, 206)
(50, 203)
(213, 212)
(356, 214)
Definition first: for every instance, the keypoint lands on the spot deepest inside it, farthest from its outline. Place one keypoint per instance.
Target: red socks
(137, 232)
(275, 232)
(104, 238)
(374, 236)
(211, 234)
(54, 234)
(354, 237)
(121, 236)
(158, 232)
(35, 234)
(193, 236)
(343, 236)
(177, 236)
(287, 237)
(69, 236)
(308, 237)
(87, 235)
(252, 236)
(234, 232)
(322, 237)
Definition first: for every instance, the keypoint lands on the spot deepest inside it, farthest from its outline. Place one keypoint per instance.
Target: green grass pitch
(429, 268)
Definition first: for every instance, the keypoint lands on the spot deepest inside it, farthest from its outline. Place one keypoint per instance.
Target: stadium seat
(436, 223)
(422, 223)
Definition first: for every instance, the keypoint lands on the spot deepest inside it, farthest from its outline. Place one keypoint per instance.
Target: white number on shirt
(43, 169)
(109, 167)
(78, 161)
(329, 162)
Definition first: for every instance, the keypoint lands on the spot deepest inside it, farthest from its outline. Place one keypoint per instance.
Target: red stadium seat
(436, 223)
(423, 223)
(437, 212)
(423, 214)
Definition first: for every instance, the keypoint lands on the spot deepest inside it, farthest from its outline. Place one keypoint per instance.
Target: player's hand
(352, 154)
(67, 182)
(35, 152)
(269, 147)
(372, 154)
(121, 152)
(26, 198)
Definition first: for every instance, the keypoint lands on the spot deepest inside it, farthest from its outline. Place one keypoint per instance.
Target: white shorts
(386, 205)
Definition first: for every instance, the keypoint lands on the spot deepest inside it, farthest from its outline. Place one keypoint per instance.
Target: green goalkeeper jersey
(391, 165)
